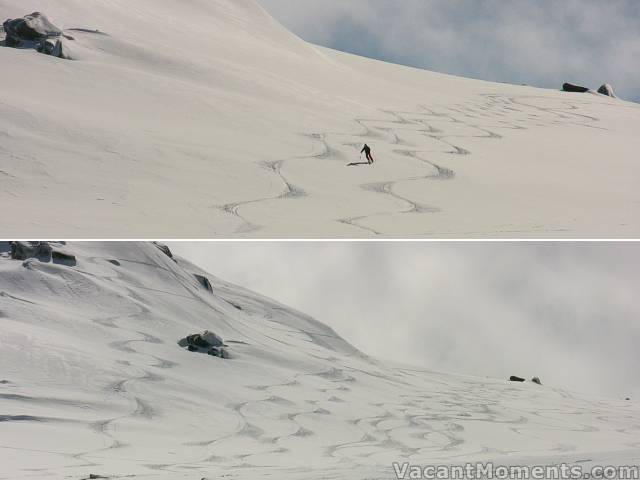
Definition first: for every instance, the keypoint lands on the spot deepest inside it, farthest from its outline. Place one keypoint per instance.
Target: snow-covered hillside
(197, 118)
(92, 381)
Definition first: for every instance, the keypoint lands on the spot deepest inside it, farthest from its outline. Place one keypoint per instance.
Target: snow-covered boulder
(29, 29)
(42, 251)
(25, 250)
(607, 90)
(536, 380)
(63, 258)
(50, 47)
(207, 342)
(34, 31)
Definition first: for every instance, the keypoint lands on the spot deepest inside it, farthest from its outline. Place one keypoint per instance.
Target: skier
(367, 150)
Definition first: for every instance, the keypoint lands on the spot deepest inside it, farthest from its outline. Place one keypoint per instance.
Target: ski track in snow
(489, 113)
(198, 140)
(300, 401)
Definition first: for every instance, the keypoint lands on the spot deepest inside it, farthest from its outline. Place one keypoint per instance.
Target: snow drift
(208, 119)
(93, 382)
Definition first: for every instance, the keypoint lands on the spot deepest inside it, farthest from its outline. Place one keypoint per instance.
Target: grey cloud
(537, 42)
(566, 312)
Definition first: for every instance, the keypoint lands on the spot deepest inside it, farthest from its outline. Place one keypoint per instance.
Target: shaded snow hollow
(93, 382)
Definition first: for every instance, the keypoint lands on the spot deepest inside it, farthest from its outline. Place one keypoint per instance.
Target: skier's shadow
(356, 164)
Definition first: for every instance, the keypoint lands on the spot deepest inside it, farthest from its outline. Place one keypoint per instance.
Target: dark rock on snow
(568, 87)
(204, 281)
(37, 32)
(30, 28)
(63, 258)
(234, 305)
(5, 247)
(25, 250)
(607, 90)
(42, 251)
(207, 342)
(48, 47)
(520, 379)
(164, 249)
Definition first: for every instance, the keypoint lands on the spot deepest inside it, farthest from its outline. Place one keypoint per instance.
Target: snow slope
(206, 118)
(92, 381)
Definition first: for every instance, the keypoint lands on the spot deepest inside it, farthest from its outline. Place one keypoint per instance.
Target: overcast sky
(565, 312)
(537, 42)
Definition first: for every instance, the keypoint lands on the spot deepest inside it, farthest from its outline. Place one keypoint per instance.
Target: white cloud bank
(566, 312)
(537, 42)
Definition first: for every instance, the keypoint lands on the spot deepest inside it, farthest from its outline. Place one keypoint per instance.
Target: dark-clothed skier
(367, 151)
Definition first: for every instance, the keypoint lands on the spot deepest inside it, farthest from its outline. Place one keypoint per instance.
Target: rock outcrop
(42, 251)
(164, 249)
(30, 28)
(607, 90)
(204, 282)
(207, 342)
(37, 32)
(569, 87)
(25, 250)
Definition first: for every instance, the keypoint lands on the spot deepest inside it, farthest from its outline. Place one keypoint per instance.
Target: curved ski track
(413, 415)
(483, 116)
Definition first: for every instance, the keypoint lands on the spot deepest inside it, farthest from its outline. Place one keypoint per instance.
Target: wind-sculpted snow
(93, 382)
(212, 120)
